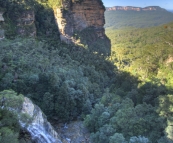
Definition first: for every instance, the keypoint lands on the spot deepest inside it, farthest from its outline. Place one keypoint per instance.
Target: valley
(111, 84)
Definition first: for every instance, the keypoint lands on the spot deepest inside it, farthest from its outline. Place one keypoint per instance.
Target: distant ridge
(119, 17)
(132, 8)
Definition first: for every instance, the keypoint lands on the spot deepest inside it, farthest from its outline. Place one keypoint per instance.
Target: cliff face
(79, 16)
(1, 17)
(1, 23)
(74, 17)
(39, 128)
(131, 8)
(26, 24)
(30, 117)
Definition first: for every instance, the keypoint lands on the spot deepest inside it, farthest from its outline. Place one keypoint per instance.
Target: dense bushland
(126, 97)
(146, 53)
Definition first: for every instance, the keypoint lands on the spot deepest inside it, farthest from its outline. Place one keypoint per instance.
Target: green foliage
(117, 138)
(8, 135)
(55, 3)
(124, 118)
(44, 17)
(59, 76)
(92, 42)
(9, 128)
(10, 99)
(10, 28)
(145, 53)
(102, 136)
(164, 104)
(68, 82)
(10, 116)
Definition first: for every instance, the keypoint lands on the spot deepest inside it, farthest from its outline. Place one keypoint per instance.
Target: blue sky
(167, 4)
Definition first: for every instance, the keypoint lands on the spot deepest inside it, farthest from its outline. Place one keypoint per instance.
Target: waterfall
(39, 128)
(39, 134)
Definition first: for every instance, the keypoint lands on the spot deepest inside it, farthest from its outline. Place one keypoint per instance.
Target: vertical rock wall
(77, 15)
(1, 22)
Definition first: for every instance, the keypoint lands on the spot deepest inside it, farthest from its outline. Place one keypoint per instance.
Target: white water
(39, 134)
(39, 128)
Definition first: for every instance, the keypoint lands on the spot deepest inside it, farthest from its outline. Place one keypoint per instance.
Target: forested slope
(144, 52)
(70, 82)
(142, 115)
(67, 82)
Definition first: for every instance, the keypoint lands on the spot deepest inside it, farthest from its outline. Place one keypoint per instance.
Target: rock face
(26, 24)
(1, 17)
(76, 16)
(1, 29)
(39, 128)
(131, 8)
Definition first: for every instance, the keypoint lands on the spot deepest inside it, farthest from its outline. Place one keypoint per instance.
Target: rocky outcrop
(38, 127)
(1, 16)
(30, 117)
(75, 16)
(26, 24)
(2, 36)
(131, 8)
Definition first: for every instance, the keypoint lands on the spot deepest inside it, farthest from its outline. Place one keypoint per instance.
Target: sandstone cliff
(79, 16)
(131, 8)
(75, 17)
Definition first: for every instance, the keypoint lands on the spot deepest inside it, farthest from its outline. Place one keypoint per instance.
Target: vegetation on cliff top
(10, 130)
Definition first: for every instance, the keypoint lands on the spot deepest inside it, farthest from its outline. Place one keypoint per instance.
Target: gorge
(78, 23)
(61, 82)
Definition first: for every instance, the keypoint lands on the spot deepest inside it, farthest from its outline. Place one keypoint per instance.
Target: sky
(167, 4)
